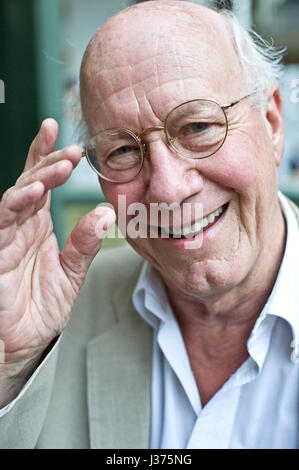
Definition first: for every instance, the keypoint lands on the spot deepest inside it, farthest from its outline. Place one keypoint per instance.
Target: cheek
(233, 168)
(245, 163)
(123, 194)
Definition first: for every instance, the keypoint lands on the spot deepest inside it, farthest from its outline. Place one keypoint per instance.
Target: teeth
(211, 218)
(197, 226)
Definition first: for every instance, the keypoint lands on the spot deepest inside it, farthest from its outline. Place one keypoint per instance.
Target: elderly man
(195, 347)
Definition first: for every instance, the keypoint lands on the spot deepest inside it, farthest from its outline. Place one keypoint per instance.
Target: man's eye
(123, 157)
(122, 151)
(195, 128)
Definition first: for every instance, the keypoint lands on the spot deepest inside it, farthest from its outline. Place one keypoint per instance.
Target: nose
(170, 177)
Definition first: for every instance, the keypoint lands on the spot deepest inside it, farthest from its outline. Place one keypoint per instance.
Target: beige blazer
(92, 390)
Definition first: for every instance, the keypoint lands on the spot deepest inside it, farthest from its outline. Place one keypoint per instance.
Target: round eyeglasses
(195, 129)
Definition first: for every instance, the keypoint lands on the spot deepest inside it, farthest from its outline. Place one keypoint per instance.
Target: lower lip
(208, 232)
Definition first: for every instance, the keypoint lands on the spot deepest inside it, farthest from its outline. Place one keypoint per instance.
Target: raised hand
(38, 284)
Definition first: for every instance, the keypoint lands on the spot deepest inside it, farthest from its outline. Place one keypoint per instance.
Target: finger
(16, 200)
(24, 201)
(84, 243)
(55, 170)
(30, 194)
(73, 153)
(32, 209)
(44, 142)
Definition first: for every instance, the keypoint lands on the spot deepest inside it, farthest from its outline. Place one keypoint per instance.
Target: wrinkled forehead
(147, 64)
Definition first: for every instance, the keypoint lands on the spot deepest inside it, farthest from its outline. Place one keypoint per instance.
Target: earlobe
(275, 122)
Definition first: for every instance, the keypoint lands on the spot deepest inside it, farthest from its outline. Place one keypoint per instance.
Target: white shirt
(258, 407)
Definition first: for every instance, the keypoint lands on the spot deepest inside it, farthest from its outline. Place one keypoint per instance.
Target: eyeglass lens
(196, 129)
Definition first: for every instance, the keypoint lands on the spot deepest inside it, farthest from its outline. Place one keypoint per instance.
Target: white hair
(260, 60)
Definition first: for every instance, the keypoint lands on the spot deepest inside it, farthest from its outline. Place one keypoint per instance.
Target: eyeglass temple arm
(226, 106)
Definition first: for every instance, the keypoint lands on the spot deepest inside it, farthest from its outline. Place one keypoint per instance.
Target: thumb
(84, 242)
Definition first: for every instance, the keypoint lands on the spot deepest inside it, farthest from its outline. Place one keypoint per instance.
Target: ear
(273, 115)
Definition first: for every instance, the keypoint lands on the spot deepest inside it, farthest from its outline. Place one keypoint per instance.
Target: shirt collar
(283, 301)
(150, 297)
(284, 298)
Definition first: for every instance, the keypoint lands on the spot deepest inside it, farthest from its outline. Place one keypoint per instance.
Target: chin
(209, 278)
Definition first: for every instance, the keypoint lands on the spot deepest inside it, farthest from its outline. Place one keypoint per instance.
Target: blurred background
(41, 46)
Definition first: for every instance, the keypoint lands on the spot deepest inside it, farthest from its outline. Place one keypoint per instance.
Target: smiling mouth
(196, 228)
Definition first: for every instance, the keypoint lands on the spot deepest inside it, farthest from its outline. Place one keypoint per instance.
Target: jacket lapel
(119, 381)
